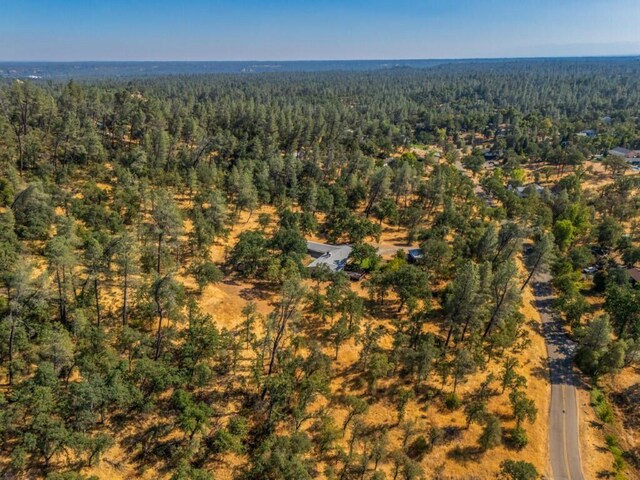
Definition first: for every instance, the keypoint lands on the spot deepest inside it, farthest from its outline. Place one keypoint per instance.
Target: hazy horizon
(50, 70)
(320, 60)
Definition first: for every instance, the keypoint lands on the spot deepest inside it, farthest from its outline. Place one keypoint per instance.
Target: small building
(634, 274)
(334, 256)
(624, 152)
(489, 155)
(389, 161)
(523, 191)
(432, 156)
(414, 255)
(587, 133)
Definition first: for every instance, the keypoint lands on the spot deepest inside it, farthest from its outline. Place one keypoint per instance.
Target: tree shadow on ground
(464, 455)
(256, 292)
(149, 448)
(605, 474)
(627, 401)
(541, 372)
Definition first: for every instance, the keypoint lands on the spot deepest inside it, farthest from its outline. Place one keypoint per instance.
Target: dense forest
(124, 203)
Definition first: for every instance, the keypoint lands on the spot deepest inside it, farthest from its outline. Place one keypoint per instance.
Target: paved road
(564, 432)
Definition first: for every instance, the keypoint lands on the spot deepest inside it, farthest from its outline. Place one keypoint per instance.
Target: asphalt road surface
(564, 430)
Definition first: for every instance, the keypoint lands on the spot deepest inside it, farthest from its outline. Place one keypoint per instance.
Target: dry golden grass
(225, 301)
(596, 457)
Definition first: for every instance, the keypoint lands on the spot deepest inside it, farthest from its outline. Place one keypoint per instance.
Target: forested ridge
(123, 204)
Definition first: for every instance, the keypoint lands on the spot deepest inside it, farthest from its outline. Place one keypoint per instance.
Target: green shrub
(619, 465)
(519, 438)
(604, 412)
(491, 436)
(611, 441)
(238, 426)
(436, 437)
(518, 470)
(418, 448)
(601, 406)
(452, 401)
(223, 442)
(7, 192)
(596, 396)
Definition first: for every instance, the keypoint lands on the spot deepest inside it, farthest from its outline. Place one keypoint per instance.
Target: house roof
(588, 133)
(334, 256)
(619, 151)
(523, 189)
(416, 253)
(625, 152)
(634, 273)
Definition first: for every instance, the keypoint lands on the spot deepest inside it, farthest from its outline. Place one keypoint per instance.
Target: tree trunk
(11, 339)
(526, 282)
(62, 308)
(159, 252)
(446, 343)
(20, 155)
(272, 359)
(464, 330)
(158, 336)
(495, 312)
(286, 312)
(396, 471)
(160, 314)
(97, 299)
(124, 294)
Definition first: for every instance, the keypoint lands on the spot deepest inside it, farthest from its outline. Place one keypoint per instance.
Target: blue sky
(72, 30)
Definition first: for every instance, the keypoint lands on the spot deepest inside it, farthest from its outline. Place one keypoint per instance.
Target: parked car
(590, 270)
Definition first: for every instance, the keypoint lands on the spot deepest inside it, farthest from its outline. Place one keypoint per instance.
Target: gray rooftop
(334, 256)
(625, 152)
(587, 133)
(524, 190)
(634, 273)
(416, 253)
(619, 151)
